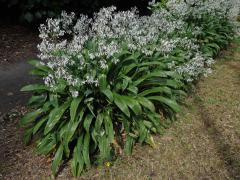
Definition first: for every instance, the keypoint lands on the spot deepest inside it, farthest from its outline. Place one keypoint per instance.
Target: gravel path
(17, 45)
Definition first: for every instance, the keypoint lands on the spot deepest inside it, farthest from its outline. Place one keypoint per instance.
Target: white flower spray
(79, 49)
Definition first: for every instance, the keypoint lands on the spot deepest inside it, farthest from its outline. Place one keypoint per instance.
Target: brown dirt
(17, 160)
(203, 144)
(17, 43)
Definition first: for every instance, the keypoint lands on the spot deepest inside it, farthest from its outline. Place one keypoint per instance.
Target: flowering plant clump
(105, 78)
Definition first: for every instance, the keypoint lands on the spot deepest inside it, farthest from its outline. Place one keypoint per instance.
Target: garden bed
(202, 144)
(119, 79)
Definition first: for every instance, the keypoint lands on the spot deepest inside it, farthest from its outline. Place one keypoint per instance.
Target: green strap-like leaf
(133, 104)
(91, 108)
(70, 131)
(133, 89)
(39, 124)
(162, 74)
(57, 159)
(162, 82)
(103, 84)
(170, 103)
(37, 100)
(39, 65)
(156, 90)
(103, 81)
(46, 144)
(121, 104)
(105, 148)
(152, 63)
(155, 119)
(142, 132)
(55, 116)
(146, 103)
(30, 117)
(74, 106)
(108, 93)
(128, 68)
(35, 87)
(98, 122)
(85, 150)
(77, 162)
(129, 145)
(87, 122)
(109, 127)
(38, 72)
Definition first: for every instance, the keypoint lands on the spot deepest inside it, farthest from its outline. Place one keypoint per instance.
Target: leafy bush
(97, 93)
(107, 77)
(121, 107)
(211, 18)
(35, 11)
(216, 34)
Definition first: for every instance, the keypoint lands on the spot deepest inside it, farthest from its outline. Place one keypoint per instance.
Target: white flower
(74, 93)
(78, 50)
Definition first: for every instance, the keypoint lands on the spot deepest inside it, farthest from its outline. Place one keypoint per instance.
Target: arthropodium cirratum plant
(120, 109)
(106, 78)
(112, 106)
(214, 19)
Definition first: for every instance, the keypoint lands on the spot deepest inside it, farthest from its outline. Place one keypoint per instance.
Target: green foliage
(160, 4)
(122, 109)
(216, 34)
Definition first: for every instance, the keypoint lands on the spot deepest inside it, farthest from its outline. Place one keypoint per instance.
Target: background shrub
(35, 11)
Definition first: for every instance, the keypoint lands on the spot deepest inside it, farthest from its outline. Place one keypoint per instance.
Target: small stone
(10, 94)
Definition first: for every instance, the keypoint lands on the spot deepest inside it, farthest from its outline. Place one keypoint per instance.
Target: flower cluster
(79, 49)
(107, 77)
(198, 8)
